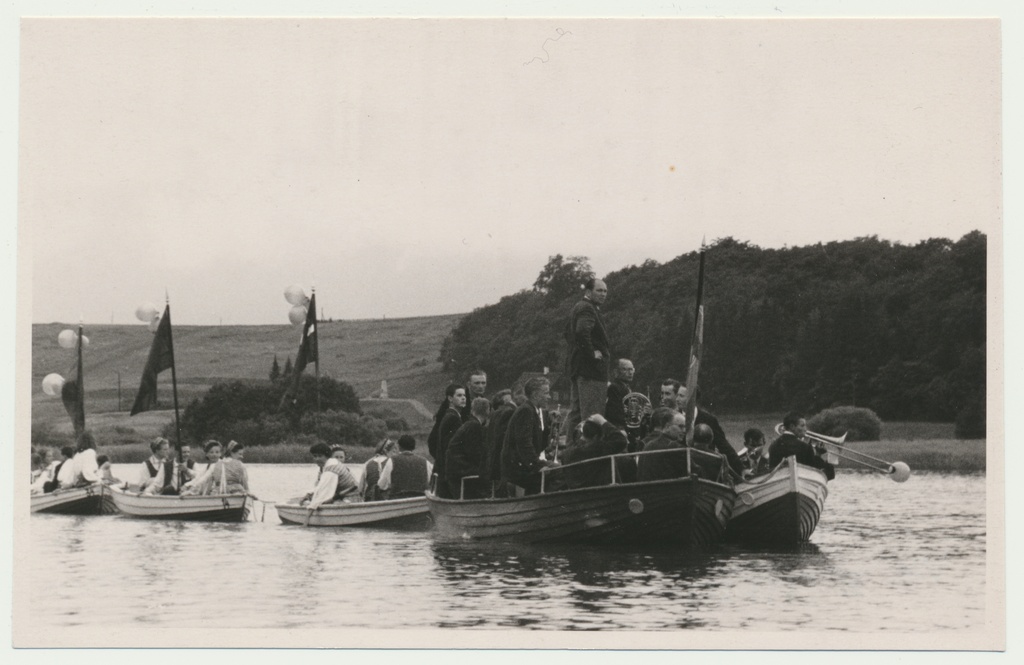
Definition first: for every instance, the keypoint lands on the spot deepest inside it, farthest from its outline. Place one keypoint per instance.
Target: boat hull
(211, 508)
(90, 500)
(400, 513)
(780, 508)
(686, 511)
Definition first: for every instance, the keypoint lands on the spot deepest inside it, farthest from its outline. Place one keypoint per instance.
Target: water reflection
(579, 588)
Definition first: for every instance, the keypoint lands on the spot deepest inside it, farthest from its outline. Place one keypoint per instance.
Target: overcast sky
(411, 167)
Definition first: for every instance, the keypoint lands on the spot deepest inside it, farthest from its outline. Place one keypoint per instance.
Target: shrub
(347, 429)
(859, 424)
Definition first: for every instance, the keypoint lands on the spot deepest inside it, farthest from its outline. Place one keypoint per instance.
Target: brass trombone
(833, 445)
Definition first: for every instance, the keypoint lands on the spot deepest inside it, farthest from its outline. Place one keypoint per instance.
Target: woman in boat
(84, 468)
(372, 469)
(236, 478)
(58, 469)
(213, 477)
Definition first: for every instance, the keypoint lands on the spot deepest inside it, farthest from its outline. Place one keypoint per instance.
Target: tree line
(900, 329)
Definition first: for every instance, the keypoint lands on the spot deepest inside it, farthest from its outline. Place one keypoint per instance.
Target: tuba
(635, 406)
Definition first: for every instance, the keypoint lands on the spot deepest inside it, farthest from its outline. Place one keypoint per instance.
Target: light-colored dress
(236, 478)
(84, 468)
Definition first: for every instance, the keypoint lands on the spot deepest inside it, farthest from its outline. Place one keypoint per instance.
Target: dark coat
(788, 445)
(466, 454)
(614, 410)
(585, 334)
(664, 466)
(524, 442)
(494, 437)
(720, 443)
(450, 424)
(611, 442)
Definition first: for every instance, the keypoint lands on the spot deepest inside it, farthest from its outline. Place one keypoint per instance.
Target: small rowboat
(689, 511)
(194, 508)
(89, 500)
(396, 513)
(779, 508)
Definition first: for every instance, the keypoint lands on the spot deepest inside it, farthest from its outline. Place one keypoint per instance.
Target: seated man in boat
(635, 423)
(170, 476)
(407, 474)
(792, 443)
(334, 481)
(161, 449)
(704, 439)
(464, 465)
(669, 427)
(524, 440)
(599, 438)
(372, 469)
(755, 456)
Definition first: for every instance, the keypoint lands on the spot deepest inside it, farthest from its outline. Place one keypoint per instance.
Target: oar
(898, 471)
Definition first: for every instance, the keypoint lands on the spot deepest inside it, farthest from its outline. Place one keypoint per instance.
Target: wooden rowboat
(195, 508)
(89, 500)
(397, 513)
(690, 511)
(779, 508)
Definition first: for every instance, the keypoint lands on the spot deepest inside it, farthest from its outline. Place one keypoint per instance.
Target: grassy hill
(361, 353)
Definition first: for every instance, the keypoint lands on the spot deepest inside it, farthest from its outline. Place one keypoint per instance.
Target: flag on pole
(161, 357)
(696, 351)
(309, 351)
(72, 393)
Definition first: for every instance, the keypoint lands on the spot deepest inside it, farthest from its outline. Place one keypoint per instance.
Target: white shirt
(66, 477)
(84, 469)
(327, 486)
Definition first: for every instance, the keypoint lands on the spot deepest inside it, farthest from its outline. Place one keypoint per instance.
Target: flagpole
(174, 381)
(316, 353)
(695, 349)
(81, 386)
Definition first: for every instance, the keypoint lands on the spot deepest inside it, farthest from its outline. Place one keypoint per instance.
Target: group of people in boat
(394, 471)
(78, 466)
(498, 446)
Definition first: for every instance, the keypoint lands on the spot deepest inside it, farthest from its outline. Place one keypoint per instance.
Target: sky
(431, 166)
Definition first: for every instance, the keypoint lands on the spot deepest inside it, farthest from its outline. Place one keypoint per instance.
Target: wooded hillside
(897, 328)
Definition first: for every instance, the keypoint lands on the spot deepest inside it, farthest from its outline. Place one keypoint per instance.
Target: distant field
(362, 353)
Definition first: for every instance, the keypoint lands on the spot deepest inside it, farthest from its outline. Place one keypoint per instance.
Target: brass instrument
(636, 406)
(898, 471)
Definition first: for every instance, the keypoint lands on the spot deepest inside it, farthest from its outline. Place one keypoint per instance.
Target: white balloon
(85, 341)
(52, 383)
(67, 338)
(154, 324)
(297, 315)
(146, 312)
(295, 295)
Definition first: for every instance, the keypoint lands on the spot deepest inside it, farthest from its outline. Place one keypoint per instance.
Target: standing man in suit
(524, 440)
(588, 357)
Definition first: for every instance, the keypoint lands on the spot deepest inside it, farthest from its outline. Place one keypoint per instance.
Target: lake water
(896, 558)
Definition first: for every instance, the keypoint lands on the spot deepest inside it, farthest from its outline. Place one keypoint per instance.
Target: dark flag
(308, 352)
(72, 393)
(161, 357)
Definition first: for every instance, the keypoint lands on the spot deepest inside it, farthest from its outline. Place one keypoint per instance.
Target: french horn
(636, 406)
